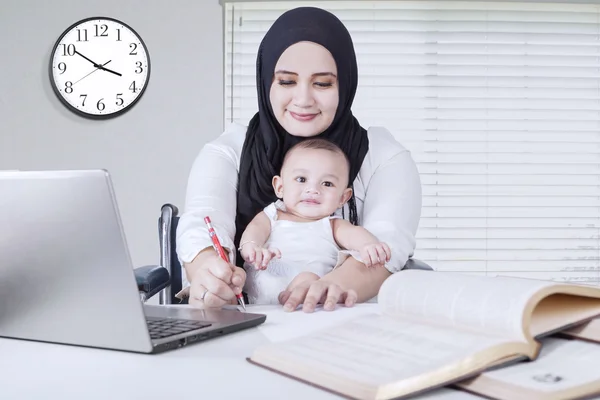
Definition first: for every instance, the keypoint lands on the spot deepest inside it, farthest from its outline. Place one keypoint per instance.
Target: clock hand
(98, 65)
(92, 72)
(109, 70)
(95, 65)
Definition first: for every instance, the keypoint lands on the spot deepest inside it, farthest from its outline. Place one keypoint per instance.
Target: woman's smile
(304, 116)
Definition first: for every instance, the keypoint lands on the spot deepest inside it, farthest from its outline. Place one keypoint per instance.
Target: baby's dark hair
(320, 144)
(323, 144)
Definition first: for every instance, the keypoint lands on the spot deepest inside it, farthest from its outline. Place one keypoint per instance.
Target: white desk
(214, 369)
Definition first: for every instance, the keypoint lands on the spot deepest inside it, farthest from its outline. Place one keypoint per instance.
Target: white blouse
(387, 191)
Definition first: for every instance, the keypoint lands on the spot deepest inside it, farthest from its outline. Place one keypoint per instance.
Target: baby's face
(313, 183)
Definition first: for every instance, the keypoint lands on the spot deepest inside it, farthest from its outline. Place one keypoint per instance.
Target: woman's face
(304, 94)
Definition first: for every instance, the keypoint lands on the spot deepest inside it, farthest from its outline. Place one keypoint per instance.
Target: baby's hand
(375, 254)
(258, 255)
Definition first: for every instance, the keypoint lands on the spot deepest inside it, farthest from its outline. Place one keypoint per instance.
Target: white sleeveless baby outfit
(304, 246)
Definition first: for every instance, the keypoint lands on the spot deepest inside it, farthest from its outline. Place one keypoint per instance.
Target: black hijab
(266, 141)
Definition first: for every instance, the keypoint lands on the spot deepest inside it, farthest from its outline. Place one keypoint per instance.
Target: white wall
(149, 149)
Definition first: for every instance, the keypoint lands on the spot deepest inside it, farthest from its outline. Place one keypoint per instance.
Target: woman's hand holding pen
(214, 282)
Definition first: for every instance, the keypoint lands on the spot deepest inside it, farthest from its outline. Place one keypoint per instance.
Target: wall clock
(99, 67)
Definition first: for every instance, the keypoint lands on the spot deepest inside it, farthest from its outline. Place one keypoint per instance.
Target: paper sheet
(281, 325)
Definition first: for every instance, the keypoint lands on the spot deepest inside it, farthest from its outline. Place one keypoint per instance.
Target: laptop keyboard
(163, 327)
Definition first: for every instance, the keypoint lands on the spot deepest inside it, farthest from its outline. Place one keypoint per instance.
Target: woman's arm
(211, 191)
(392, 207)
(352, 275)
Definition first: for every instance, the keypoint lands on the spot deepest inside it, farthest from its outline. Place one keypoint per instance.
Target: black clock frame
(69, 105)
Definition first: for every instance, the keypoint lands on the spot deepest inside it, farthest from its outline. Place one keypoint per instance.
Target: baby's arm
(253, 241)
(352, 237)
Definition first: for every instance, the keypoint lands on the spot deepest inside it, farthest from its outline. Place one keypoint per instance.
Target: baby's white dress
(304, 246)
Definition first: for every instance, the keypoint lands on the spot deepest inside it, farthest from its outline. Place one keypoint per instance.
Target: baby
(298, 233)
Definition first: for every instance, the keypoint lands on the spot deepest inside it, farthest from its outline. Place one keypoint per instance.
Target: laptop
(66, 275)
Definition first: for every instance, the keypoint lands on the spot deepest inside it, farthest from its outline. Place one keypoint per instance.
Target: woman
(306, 81)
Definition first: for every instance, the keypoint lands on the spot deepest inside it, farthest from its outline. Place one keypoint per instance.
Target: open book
(432, 329)
(564, 370)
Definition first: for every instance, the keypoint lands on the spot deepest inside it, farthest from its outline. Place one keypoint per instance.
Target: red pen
(219, 249)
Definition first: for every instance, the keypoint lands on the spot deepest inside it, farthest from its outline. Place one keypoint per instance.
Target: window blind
(499, 103)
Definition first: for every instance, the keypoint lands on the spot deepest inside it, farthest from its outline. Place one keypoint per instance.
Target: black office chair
(166, 278)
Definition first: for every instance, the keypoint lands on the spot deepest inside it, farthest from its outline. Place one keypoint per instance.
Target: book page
(374, 350)
(587, 331)
(561, 366)
(488, 304)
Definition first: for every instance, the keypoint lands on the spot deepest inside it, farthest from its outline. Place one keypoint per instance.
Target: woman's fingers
(212, 291)
(215, 282)
(203, 297)
(196, 293)
(284, 296)
(302, 279)
(229, 274)
(311, 294)
(217, 285)
(334, 295)
(316, 292)
(221, 270)
(295, 297)
(213, 301)
(349, 298)
(238, 280)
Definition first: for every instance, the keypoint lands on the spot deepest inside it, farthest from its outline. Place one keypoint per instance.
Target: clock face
(99, 67)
